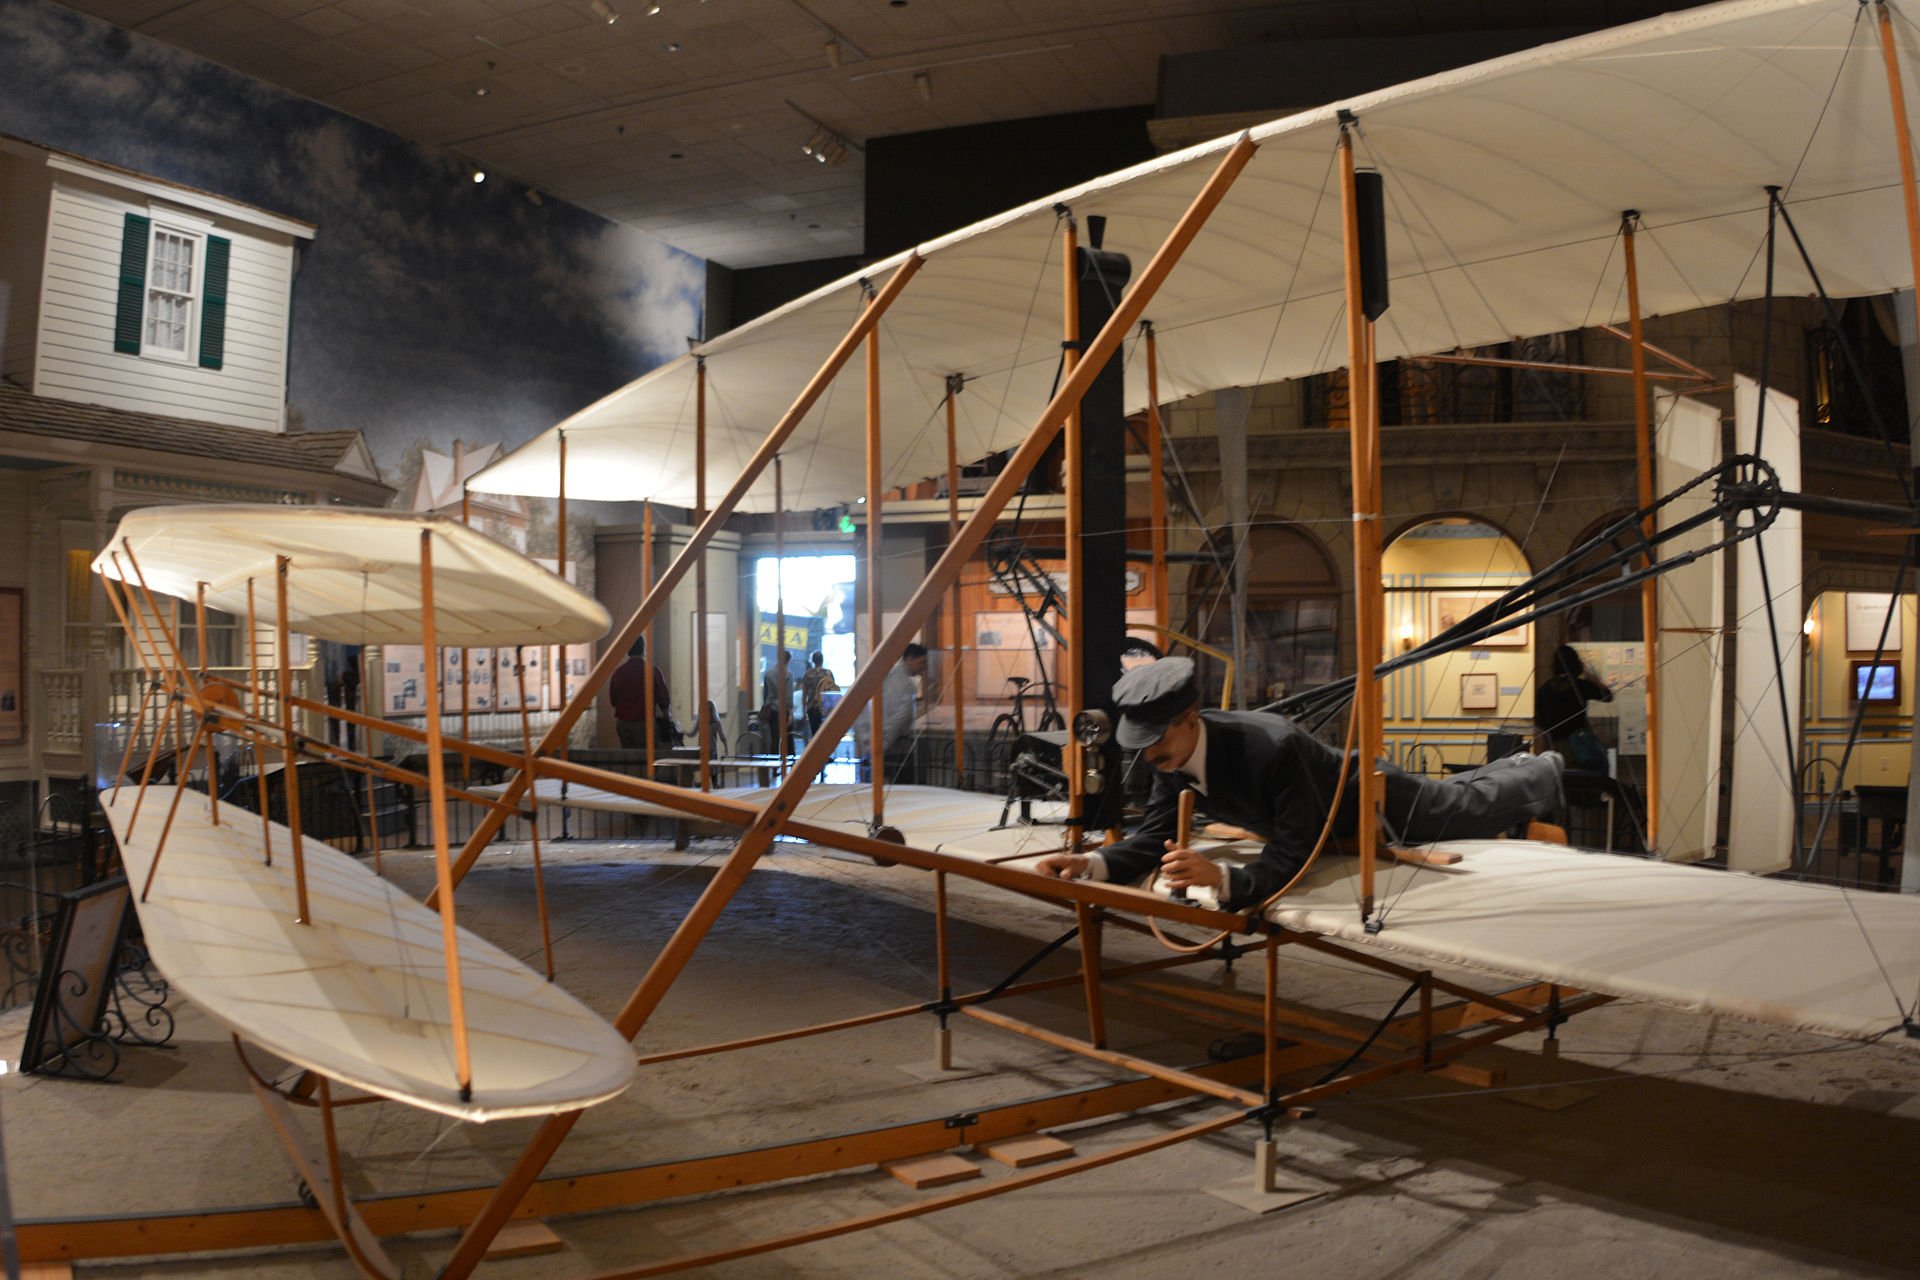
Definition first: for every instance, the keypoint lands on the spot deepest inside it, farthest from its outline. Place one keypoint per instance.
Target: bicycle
(1010, 726)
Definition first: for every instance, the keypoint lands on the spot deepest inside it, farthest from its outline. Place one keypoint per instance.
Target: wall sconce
(1806, 628)
(1406, 639)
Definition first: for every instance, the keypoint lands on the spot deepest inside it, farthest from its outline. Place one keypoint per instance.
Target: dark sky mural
(427, 309)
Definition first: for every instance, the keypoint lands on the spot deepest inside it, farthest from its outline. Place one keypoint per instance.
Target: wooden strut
(167, 717)
(1910, 192)
(437, 799)
(289, 748)
(647, 709)
(1157, 487)
(780, 610)
(774, 815)
(956, 666)
(533, 810)
(1643, 470)
(149, 682)
(321, 1170)
(213, 759)
(1550, 366)
(254, 707)
(876, 591)
(181, 680)
(1369, 611)
(702, 694)
(1075, 547)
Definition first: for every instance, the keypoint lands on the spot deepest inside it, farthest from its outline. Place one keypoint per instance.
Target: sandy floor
(1699, 1146)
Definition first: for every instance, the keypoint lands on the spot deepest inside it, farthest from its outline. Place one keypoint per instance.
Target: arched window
(1292, 618)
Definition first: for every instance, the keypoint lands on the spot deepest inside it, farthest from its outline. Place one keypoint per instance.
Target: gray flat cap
(1150, 698)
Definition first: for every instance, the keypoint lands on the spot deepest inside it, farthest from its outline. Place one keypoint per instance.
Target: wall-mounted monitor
(1875, 683)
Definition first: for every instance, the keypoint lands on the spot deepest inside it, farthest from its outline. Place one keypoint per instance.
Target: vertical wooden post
(213, 754)
(1076, 560)
(1090, 920)
(1157, 487)
(702, 694)
(877, 709)
(373, 779)
(1270, 1071)
(289, 748)
(1903, 139)
(653, 655)
(1365, 458)
(1897, 98)
(956, 677)
(560, 519)
(780, 609)
(259, 758)
(1643, 470)
(533, 808)
(466, 679)
(437, 803)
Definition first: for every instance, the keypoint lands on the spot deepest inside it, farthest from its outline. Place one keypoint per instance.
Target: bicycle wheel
(1000, 739)
(1051, 720)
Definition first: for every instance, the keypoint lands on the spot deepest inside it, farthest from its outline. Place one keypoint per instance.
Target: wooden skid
(341, 1215)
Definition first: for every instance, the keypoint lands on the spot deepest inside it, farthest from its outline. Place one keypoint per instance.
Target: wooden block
(46, 1271)
(923, 1172)
(1425, 857)
(1478, 1077)
(522, 1238)
(1546, 832)
(1033, 1148)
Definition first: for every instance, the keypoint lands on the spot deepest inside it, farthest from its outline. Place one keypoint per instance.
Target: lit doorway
(816, 592)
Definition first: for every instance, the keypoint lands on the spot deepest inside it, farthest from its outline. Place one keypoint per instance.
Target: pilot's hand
(1064, 866)
(1182, 868)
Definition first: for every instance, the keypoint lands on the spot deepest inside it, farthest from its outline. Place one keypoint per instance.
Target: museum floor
(1659, 1144)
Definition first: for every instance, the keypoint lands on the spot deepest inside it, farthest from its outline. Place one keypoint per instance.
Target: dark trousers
(1489, 801)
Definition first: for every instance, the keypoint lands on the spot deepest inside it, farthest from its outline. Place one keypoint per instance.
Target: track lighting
(606, 12)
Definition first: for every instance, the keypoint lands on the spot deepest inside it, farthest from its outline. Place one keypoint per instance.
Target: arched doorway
(1446, 711)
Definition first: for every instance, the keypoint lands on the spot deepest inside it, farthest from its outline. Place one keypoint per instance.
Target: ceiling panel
(595, 113)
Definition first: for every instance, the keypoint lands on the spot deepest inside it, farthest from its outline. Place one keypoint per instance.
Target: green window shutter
(213, 308)
(130, 313)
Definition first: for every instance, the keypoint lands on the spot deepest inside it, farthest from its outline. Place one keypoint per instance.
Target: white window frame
(165, 221)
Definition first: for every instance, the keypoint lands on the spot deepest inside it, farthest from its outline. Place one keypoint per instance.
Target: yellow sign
(766, 631)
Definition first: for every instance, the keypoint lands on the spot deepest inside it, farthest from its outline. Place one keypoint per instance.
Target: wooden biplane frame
(1430, 1039)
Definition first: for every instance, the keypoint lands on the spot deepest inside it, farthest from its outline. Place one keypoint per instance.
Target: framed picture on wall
(1480, 691)
(1866, 614)
(1451, 607)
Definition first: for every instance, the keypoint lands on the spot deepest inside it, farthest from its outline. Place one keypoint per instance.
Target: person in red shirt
(628, 692)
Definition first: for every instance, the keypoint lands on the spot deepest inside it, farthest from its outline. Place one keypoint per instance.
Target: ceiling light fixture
(834, 53)
(652, 9)
(478, 174)
(825, 146)
(604, 11)
(923, 85)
